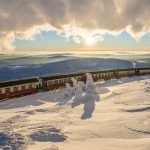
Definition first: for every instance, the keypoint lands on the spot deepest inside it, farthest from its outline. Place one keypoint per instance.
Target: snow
(89, 81)
(69, 90)
(111, 115)
(134, 64)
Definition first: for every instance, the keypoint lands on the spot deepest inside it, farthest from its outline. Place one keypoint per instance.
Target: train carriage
(55, 82)
(144, 71)
(27, 86)
(125, 73)
(102, 75)
(16, 88)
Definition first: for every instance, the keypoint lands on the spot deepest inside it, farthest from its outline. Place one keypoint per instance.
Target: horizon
(78, 51)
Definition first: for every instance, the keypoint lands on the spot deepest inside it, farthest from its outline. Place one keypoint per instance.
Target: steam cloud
(76, 19)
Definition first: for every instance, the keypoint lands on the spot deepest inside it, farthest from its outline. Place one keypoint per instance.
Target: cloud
(76, 19)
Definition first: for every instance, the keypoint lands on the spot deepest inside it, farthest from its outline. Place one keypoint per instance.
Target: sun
(90, 40)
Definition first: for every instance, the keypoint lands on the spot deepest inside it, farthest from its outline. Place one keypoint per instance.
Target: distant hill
(11, 72)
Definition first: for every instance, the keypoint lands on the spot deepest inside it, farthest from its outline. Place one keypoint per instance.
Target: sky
(74, 25)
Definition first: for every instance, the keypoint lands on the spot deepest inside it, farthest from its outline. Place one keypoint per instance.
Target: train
(16, 88)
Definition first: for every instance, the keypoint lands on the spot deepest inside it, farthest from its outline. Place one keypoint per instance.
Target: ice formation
(79, 86)
(134, 64)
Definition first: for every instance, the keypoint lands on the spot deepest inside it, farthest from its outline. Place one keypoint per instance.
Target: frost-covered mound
(10, 141)
(114, 115)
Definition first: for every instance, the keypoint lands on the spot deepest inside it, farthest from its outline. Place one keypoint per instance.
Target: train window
(50, 82)
(55, 81)
(61, 81)
(66, 80)
(7, 90)
(129, 72)
(94, 75)
(69, 79)
(15, 88)
(23, 87)
(0, 91)
(80, 78)
(30, 86)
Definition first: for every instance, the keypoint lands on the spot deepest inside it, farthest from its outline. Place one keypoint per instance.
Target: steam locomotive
(22, 87)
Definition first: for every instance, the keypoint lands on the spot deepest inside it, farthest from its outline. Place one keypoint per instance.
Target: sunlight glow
(90, 40)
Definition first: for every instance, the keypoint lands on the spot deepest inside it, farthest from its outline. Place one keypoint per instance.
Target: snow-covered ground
(116, 116)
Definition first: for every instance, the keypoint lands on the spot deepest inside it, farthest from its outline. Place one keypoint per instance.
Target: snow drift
(113, 115)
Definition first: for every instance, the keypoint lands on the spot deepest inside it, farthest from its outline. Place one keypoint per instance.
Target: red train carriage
(102, 75)
(125, 73)
(16, 88)
(28, 86)
(144, 71)
(55, 82)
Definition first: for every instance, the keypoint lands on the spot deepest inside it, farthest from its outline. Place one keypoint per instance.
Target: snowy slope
(116, 117)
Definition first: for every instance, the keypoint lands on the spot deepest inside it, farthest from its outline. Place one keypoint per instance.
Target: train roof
(61, 76)
(17, 82)
(144, 68)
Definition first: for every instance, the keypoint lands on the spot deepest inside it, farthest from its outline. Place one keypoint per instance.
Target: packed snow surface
(114, 115)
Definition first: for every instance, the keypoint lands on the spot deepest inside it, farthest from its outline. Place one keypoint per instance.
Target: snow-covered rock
(69, 90)
(89, 81)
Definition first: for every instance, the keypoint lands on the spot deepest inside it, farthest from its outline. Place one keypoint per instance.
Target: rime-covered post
(89, 80)
(69, 90)
(81, 86)
(75, 83)
(134, 63)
